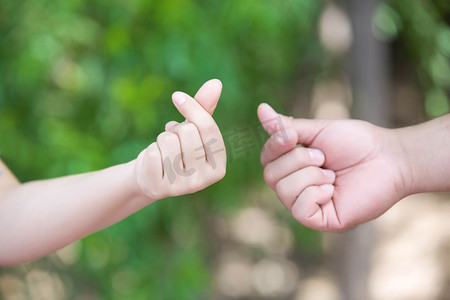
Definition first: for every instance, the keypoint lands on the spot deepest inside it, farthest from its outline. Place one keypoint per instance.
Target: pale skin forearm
(426, 151)
(39, 217)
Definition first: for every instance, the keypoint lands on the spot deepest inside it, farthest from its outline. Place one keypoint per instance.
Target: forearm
(426, 149)
(39, 217)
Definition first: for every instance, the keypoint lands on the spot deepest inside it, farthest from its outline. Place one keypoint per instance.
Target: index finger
(208, 95)
(278, 144)
(207, 127)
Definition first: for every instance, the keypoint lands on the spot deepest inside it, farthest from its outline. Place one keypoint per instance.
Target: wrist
(143, 183)
(402, 159)
(135, 191)
(426, 160)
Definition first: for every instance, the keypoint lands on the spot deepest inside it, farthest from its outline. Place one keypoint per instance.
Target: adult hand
(332, 174)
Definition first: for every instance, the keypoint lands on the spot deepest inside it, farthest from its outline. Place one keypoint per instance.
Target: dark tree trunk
(369, 73)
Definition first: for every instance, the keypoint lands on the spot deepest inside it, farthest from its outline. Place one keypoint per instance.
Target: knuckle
(166, 137)
(210, 126)
(272, 142)
(269, 176)
(266, 145)
(299, 152)
(197, 183)
(221, 172)
(152, 151)
(269, 151)
(187, 129)
(318, 172)
(264, 155)
(313, 192)
(299, 155)
(172, 126)
(215, 174)
(140, 157)
(281, 190)
(297, 215)
(262, 160)
(152, 155)
(314, 173)
(190, 126)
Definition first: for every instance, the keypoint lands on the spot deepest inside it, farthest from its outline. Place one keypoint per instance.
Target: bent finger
(150, 165)
(170, 124)
(277, 145)
(294, 160)
(169, 146)
(290, 187)
(314, 208)
(209, 131)
(191, 146)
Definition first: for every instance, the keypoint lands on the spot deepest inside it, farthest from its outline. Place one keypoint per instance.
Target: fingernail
(178, 98)
(328, 173)
(316, 155)
(281, 138)
(327, 187)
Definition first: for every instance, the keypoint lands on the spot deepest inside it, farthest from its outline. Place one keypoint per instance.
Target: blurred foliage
(87, 84)
(423, 30)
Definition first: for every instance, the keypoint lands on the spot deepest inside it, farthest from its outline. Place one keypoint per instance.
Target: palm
(366, 176)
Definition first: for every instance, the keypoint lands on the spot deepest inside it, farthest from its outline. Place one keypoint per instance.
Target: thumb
(271, 120)
(208, 95)
(306, 129)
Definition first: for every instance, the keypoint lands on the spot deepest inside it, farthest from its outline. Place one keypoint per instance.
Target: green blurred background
(86, 84)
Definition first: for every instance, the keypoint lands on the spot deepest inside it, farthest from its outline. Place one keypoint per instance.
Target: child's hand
(346, 173)
(188, 156)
